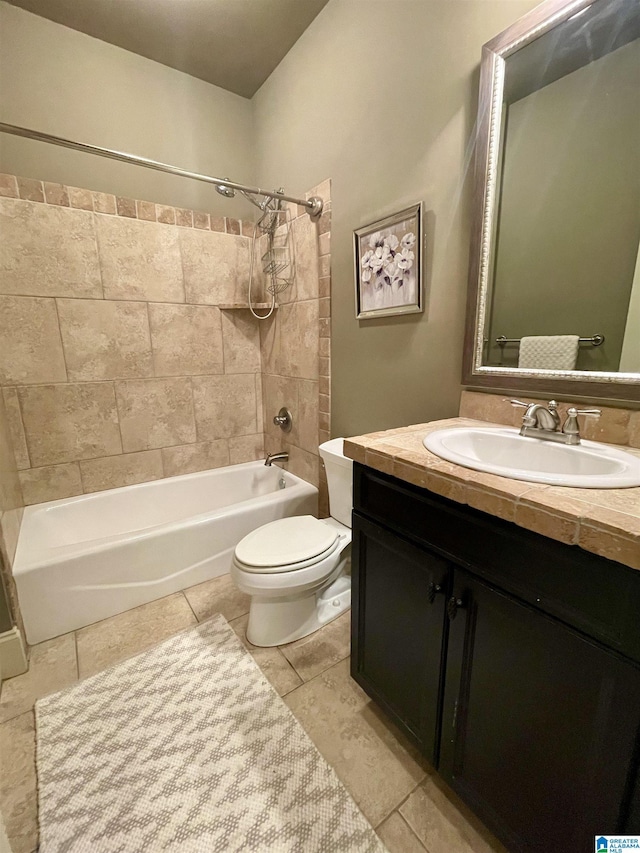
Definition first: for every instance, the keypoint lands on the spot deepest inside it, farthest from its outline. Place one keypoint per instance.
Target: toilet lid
(286, 541)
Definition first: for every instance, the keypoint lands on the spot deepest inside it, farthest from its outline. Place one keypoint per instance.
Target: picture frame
(388, 265)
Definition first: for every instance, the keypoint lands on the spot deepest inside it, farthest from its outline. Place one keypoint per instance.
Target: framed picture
(388, 265)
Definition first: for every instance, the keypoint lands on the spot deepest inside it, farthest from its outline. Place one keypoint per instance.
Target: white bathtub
(85, 558)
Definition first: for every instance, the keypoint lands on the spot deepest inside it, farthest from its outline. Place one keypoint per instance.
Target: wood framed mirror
(556, 206)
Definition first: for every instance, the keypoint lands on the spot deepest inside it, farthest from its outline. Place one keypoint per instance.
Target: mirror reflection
(565, 259)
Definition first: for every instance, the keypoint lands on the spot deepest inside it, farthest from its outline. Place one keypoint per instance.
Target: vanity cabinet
(511, 660)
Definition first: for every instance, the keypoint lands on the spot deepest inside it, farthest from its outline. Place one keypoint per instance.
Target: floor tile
(52, 667)
(219, 595)
(443, 823)
(122, 636)
(18, 798)
(313, 654)
(397, 836)
(272, 662)
(377, 766)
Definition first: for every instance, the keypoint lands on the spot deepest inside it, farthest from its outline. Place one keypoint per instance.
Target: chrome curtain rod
(313, 205)
(595, 340)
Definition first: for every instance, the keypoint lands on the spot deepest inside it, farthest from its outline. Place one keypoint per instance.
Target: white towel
(549, 352)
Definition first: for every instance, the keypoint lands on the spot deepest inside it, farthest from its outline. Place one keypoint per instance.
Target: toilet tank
(340, 480)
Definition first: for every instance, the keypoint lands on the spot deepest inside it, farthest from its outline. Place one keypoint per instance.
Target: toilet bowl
(297, 570)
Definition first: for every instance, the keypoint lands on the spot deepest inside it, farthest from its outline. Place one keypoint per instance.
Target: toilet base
(276, 621)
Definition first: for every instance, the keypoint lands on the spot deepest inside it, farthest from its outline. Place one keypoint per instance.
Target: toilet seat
(286, 545)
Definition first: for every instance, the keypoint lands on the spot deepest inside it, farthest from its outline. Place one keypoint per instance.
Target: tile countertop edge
(589, 518)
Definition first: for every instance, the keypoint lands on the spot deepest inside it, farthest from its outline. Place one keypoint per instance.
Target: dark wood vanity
(511, 660)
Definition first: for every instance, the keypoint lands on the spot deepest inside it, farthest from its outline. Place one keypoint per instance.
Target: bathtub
(82, 559)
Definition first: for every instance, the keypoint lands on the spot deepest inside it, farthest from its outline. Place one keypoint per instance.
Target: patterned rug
(187, 748)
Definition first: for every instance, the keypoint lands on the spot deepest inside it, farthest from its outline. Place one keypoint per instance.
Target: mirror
(555, 254)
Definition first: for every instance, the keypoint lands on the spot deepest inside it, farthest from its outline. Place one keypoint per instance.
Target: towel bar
(595, 340)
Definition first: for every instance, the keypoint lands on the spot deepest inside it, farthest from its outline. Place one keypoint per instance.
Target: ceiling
(234, 44)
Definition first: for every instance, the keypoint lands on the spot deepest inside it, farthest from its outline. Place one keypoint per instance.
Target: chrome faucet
(544, 422)
(274, 457)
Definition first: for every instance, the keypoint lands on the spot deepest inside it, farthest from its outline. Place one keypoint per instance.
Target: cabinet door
(539, 723)
(398, 599)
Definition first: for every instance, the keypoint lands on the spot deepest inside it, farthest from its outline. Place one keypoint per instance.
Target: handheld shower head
(226, 191)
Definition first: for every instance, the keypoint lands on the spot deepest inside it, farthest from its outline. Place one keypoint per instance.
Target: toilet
(297, 570)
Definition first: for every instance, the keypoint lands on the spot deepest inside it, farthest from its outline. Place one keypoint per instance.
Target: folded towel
(549, 352)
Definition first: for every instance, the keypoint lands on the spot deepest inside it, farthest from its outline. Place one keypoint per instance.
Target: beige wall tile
(279, 391)
(241, 339)
(10, 493)
(487, 407)
(18, 788)
(10, 522)
(139, 260)
(225, 406)
(81, 198)
(200, 456)
(56, 194)
(259, 405)
(30, 189)
(612, 426)
(31, 349)
(126, 207)
(216, 266)
(8, 186)
(246, 448)
(104, 203)
(105, 340)
(50, 483)
(47, 251)
(166, 215)
(16, 427)
(186, 339)
(155, 413)
(303, 464)
(308, 415)
(184, 217)
(306, 255)
(201, 220)
(634, 429)
(126, 470)
(64, 423)
(233, 226)
(298, 340)
(146, 210)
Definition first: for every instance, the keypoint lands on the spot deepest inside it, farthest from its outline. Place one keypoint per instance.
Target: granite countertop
(604, 521)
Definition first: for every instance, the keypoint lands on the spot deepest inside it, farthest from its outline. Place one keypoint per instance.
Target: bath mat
(187, 748)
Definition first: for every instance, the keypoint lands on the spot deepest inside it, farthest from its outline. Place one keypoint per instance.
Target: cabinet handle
(452, 607)
(432, 590)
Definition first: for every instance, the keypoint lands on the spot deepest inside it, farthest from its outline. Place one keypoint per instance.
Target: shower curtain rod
(313, 205)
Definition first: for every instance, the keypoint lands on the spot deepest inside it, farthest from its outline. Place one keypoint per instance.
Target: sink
(588, 465)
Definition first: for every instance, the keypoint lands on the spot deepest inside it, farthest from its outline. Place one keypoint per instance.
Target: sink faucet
(274, 457)
(544, 422)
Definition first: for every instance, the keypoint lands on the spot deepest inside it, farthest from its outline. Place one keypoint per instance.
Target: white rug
(187, 748)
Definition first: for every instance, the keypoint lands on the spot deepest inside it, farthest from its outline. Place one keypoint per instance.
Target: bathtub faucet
(273, 457)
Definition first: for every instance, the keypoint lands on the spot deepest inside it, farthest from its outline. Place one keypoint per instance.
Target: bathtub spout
(273, 457)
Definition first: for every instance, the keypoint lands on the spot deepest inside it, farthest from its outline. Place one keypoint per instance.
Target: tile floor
(411, 809)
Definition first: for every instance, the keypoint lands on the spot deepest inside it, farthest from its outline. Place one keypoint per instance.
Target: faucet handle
(516, 403)
(594, 413)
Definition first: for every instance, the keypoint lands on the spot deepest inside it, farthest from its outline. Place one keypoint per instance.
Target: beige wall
(60, 81)
(570, 210)
(381, 97)
(11, 505)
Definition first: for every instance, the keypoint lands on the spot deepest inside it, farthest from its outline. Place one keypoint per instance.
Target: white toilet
(297, 570)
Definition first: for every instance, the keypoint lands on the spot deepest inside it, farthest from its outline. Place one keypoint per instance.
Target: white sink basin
(588, 465)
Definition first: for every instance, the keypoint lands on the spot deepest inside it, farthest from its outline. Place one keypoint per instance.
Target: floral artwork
(388, 265)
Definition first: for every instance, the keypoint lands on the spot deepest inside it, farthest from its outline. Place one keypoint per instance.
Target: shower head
(226, 191)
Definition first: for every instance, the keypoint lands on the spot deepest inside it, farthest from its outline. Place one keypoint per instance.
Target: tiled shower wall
(11, 509)
(295, 350)
(122, 359)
